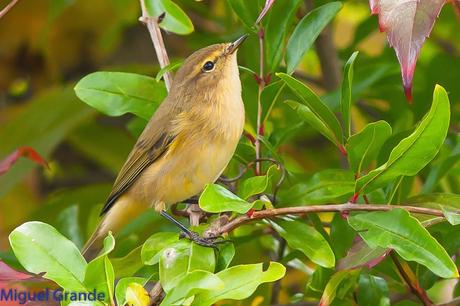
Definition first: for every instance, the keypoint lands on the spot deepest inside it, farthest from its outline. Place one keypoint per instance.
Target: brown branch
(157, 40)
(338, 208)
(8, 8)
(408, 276)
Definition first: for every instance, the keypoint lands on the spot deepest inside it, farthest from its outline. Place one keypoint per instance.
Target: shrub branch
(337, 208)
(157, 40)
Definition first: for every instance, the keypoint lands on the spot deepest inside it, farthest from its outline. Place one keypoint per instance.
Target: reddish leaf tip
(250, 213)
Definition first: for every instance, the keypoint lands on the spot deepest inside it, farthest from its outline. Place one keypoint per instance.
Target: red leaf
(407, 24)
(8, 274)
(361, 255)
(267, 6)
(27, 152)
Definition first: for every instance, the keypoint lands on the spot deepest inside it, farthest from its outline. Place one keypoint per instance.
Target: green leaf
(315, 105)
(40, 248)
(323, 187)
(216, 199)
(122, 286)
(345, 99)
(398, 230)
(314, 121)
(171, 67)
(256, 184)
(100, 275)
(201, 258)
(174, 262)
(306, 32)
(414, 152)
(240, 282)
(373, 290)
(364, 147)
(225, 256)
(278, 20)
(118, 93)
(305, 238)
(453, 216)
(247, 11)
(192, 283)
(155, 244)
(175, 19)
(339, 286)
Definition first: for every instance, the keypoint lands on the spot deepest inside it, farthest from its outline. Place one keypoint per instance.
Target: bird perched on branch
(187, 143)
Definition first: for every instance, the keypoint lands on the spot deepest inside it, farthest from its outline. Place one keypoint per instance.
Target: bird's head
(209, 66)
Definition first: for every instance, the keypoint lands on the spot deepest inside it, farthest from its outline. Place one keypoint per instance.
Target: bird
(186, 144)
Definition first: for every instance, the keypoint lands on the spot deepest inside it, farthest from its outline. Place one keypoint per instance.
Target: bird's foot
(210, 242)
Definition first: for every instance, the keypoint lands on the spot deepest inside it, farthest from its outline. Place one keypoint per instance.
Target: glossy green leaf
(175, 19)
(122, 286)
(398, 230)
(201, 258)
(225, 256)
(40, 248)
(240, 282)
(216, 198)
(373, 290)
(315, 105)
(339, 286)
(364, 147)
(256, 184)
(305, 238)
(453, 216)
(100, 275)
(247, 11)
(306, 32)
(192, 283)
(326, 186)
(118, 93)
(169, 68)
(313, 120)
(278, 20)
(345, 99)
(174, 262)
(153, 246)
(414, 152)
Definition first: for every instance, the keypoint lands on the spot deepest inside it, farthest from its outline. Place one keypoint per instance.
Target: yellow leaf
(136, 295)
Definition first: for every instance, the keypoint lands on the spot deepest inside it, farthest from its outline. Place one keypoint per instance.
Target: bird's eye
(208, 66)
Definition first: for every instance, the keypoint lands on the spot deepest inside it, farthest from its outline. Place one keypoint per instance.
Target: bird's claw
(210, 242)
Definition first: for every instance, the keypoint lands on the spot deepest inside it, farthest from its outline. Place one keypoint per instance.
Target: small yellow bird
(187, 143)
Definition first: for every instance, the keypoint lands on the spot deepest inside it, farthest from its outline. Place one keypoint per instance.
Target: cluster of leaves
(344, 259)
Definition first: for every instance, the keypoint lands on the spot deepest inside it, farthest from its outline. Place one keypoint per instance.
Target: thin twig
(339, 208)
(157, 40)
(411, 281)
(8, 8)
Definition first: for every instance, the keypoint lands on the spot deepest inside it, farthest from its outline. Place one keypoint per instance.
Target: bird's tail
(121, 213)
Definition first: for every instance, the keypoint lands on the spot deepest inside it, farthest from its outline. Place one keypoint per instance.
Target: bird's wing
(151, 145)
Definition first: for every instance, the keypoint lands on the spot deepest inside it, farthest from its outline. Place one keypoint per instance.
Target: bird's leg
(194, 236)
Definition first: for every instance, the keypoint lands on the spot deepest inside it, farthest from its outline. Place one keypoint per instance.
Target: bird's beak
(234, 45)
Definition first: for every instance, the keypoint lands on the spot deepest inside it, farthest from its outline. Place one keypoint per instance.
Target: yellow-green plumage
(187, 143)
